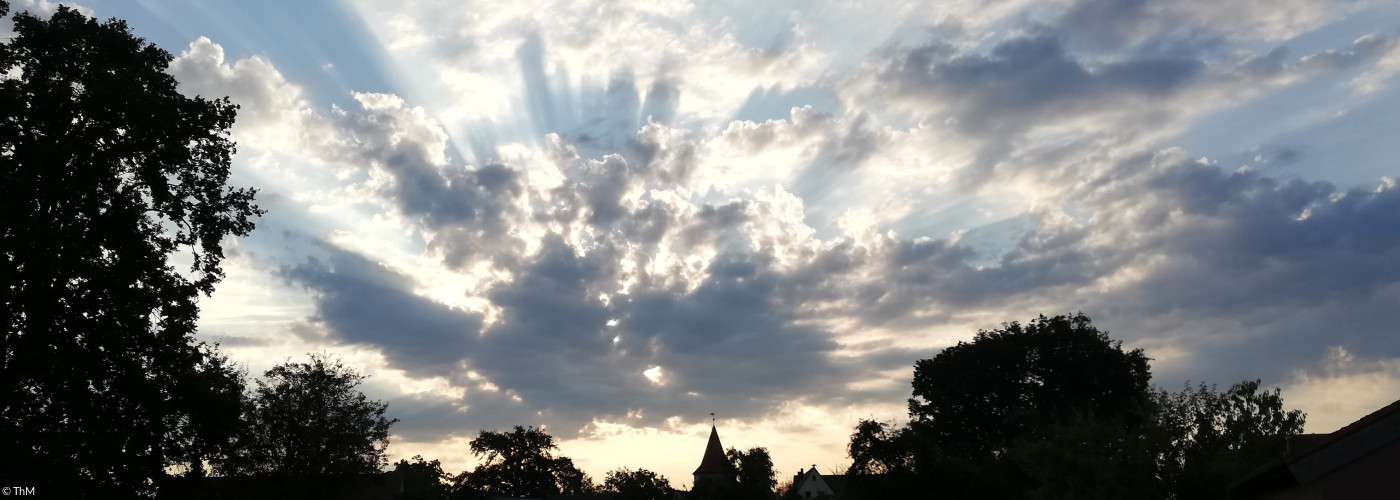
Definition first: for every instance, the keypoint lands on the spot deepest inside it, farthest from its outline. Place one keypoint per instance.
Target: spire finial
(712, 419)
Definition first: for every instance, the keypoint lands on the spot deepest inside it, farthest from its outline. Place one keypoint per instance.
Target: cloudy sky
(612, 218)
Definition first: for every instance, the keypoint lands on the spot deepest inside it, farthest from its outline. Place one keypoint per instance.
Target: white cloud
(1379, 75)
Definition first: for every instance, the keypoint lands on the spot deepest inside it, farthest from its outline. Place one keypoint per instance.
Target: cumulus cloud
(274, 113)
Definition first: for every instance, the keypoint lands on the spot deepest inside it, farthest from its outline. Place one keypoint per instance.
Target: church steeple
(714, 465)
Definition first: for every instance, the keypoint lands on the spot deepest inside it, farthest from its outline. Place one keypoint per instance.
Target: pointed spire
(714, 461)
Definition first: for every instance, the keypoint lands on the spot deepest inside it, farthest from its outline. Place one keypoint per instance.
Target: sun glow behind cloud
(614, 218)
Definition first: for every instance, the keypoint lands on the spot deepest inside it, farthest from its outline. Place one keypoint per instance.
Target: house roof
(1312, 456)
(1362, 423)
(714, 461)
(837, 482)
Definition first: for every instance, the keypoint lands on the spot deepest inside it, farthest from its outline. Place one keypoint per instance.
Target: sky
(612, 218)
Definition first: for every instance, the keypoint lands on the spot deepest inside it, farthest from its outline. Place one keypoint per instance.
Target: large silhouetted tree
(977, 404)
(980, 408)
(309, 419)
(520, 463)
(1012, 384)
(108, 176)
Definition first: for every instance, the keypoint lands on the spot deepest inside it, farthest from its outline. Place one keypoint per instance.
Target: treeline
(1056, 409)
(520, 463)
(309, 420)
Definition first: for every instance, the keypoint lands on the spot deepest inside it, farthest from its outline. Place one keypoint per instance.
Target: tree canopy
(108, 174)
(422, 480)
(1217, 437)
(309, 418)
(876, 448)
(754, 470)
(640, 484)
(1010, 384)
(520, 463)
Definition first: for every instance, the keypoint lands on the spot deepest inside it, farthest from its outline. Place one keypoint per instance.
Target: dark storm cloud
(729, 345)
(923, 273)
(364, 303)
(720, 325)
(1265, 273)
(553, 322)
(1026, 80)
(1284, 242)
(1022, 83)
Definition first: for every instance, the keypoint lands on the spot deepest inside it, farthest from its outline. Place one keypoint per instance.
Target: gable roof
(837, 482)
(834, 482)
(714, 461)
(1311, 457)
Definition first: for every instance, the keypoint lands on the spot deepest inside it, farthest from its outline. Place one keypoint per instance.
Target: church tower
(714, 466)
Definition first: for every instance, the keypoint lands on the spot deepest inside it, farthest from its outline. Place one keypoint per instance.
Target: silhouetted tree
(107, 175)
(520, 463)
(981, 409)
(976, 401)
(309, 418)
(1216, 438)
(877, 448)
(881, 463)
(1092, 458)
(1055, 409)
(1011, 384)
(422, 480)
(754, 469)
(640, 484)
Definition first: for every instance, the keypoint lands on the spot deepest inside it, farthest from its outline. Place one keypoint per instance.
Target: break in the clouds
(616, 217)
